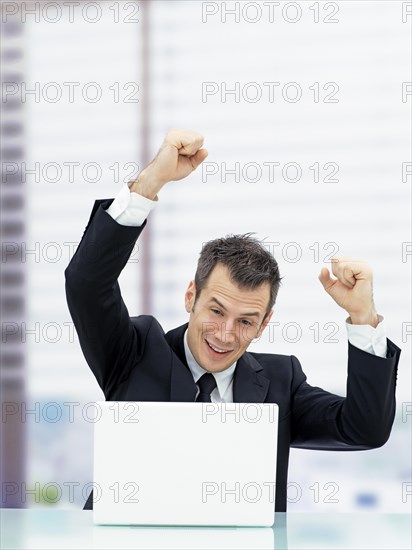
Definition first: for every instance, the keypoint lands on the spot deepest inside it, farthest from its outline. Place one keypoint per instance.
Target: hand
(352, 290)
(179, 155)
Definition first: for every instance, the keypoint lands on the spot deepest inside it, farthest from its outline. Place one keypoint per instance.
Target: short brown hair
(250, 264)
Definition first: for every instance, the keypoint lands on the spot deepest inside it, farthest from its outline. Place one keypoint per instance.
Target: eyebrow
(254, 314)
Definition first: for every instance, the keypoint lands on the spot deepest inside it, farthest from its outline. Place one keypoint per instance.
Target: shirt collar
(223, 378)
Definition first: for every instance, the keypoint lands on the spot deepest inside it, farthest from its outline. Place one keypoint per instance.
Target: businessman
(229, 303)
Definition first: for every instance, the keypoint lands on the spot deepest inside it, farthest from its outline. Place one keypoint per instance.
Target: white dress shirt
(131, 209)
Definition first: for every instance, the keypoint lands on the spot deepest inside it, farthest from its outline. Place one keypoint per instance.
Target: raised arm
(363, 419)
(110, 342)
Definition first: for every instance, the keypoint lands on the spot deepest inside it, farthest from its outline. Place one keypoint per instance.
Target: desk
(45, 529)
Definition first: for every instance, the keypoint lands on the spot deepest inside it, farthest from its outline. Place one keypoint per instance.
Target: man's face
(224, 317)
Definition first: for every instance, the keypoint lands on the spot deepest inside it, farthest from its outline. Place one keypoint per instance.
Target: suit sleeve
(110, 342)
(362, 420)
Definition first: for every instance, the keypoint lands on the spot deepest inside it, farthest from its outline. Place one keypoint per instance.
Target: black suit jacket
(134, 360)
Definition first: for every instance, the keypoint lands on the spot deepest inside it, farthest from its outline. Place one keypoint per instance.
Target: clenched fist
(352, 290)
(181, 153)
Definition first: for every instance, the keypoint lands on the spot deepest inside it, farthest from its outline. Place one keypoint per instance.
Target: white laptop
(209, 464)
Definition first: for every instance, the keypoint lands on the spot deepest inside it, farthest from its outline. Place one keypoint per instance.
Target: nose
(228, 334)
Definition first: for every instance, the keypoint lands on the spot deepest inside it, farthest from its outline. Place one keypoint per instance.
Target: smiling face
(225, 318)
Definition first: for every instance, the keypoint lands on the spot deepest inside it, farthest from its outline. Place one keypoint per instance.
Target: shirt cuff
(368, 338)
(130, 208)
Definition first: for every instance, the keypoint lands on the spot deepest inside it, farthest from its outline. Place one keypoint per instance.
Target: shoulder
(270, 360)
(275, 365)
(147, 323)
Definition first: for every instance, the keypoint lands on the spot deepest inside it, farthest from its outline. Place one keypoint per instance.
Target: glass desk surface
(44, 528)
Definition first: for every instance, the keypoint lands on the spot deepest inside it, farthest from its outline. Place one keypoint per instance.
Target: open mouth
(216, 351)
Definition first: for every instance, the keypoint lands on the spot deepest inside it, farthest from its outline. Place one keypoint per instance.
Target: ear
(264, 323)
(190, 295)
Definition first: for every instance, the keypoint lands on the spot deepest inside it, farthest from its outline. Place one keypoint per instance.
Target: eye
(246, 323)
(216, 311)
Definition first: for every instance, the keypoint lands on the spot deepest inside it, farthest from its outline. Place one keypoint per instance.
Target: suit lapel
(249, 386)
(182, 385)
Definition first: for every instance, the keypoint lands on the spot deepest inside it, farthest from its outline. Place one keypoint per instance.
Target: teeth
(215, 349)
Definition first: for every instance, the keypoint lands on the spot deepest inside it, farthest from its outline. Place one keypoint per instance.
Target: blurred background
(305, 108)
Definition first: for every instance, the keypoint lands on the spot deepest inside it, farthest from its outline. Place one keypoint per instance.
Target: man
(229, 304)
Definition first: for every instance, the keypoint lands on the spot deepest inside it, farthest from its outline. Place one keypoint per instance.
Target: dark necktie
(207, 383)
